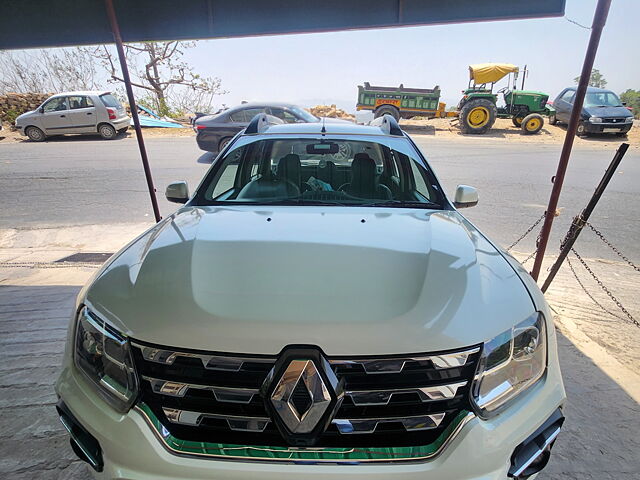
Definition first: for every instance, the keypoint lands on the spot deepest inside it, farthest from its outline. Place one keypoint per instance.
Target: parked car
(215, 131)
(602, 112)
(75, 112)
(316, 307)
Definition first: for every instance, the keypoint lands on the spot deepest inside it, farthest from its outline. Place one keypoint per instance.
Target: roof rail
(260, 123)
(388, 125)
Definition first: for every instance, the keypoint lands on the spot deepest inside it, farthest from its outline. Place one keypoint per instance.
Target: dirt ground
(502, 131)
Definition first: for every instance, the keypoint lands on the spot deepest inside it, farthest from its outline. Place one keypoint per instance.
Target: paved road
(82, 180)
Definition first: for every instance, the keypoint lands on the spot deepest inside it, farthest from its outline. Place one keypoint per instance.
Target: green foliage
(632, 99)
(11, 115)
(595, 80)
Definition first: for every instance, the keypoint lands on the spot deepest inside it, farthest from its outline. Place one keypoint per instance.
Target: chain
(605, 289)
(529, 230)
(48, 265)
(608, 243)
(575, 274)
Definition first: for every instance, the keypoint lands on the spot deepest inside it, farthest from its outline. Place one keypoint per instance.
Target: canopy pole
(115, 29)
(599, 20)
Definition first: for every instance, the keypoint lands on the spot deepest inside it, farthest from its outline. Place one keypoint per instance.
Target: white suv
(317, 309)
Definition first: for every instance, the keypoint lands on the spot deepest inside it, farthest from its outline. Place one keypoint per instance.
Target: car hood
(618, 112)
(25, 115)
(357, 281)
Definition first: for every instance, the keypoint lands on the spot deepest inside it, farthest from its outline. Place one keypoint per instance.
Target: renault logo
(302, 394)
(301, 397)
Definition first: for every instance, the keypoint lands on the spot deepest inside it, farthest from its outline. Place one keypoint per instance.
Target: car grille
(613, 120)
(388, 401)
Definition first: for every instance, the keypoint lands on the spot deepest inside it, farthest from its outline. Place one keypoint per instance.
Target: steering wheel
(503, 89)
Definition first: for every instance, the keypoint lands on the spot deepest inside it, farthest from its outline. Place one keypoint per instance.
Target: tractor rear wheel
(532, 123)
(477, 116)
(387, 110)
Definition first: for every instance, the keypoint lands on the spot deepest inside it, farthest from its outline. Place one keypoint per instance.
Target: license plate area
(609, 130)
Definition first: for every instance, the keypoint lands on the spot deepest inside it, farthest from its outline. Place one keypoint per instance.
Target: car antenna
(323, 130)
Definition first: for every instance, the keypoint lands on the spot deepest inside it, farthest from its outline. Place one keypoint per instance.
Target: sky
(325, 68)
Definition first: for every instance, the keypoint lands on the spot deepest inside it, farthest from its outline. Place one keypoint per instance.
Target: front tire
(107, 132)
(553, 119)
(581, 130)
(517, 121)
(532, 124)
(478, 116)
(35, 134)
(387, 110)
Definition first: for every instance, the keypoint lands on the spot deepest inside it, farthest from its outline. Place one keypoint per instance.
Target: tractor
(478, 110)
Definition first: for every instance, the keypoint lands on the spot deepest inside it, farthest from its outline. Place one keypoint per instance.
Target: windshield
(327, 171)
(306, 116)
(601, 99)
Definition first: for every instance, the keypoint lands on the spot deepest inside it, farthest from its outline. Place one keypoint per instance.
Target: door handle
(89, 113)
(62, 116)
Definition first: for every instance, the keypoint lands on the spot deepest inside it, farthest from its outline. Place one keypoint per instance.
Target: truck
(401, 102)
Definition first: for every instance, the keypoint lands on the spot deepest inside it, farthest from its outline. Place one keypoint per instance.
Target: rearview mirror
(177, 192)
(465, 197)
(322, 148)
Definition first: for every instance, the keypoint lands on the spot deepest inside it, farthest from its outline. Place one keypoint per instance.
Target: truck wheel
(35, 134)
(387, 110)
(477, 116)
(532, 123)
(107, 132)
(517, 121)
(552, 119)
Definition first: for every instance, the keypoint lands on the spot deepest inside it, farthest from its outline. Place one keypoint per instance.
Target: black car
(215, 131)
(602, 111)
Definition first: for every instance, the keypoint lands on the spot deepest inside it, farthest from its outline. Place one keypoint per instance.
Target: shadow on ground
(598, 137)
(599, 440)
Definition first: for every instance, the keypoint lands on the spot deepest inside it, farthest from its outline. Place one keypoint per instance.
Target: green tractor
(478, 110)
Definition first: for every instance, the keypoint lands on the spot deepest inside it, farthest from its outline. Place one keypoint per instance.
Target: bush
(11, 115)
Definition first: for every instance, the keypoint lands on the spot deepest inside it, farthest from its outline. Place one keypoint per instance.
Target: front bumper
(607, 127)
(481, 450)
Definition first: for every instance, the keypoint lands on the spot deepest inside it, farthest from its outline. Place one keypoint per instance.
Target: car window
(568, 96)
(109, 100)
(285, 116)
(80, 101)
(601, 99)
(56, 104)
(336, 171)
(245, 115)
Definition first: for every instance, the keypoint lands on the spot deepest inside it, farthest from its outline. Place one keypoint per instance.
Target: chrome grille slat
(221, 394)
(369, 425)
(397, 364)
(210, 362)
(383, 397)
(236, 422)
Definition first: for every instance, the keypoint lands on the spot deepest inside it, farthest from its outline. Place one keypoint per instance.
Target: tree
(158, 69)
(632, 99)
(47, 71)
(595, 80)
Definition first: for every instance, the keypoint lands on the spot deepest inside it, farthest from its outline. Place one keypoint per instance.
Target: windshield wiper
(402, 203)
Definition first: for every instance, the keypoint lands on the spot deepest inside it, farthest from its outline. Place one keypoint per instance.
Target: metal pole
(115, 29)
(580, 221)
(599, 20)
(524, 75)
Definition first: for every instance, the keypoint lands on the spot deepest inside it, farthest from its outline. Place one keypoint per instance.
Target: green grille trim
(288, 454)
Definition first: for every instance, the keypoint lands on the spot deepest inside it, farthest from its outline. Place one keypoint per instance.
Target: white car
(317, 309)
(91, 112)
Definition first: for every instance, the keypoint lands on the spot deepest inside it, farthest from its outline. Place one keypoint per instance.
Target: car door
(565, 105)
(82, 114)
(55, 116)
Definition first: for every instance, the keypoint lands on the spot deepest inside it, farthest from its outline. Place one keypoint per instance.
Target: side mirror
(465, 197)
(624, 104)
(177, 192)
(41, 109)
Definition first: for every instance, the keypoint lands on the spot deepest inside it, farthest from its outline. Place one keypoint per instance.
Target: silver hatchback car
(75, 112)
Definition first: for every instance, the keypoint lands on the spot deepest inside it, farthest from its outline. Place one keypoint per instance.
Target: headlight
(629, 120)
(104, 356)
(595, 119)
(510, 363)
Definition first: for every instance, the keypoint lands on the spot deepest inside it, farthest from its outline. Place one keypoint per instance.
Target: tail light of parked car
(112, 113)
(200, 127)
